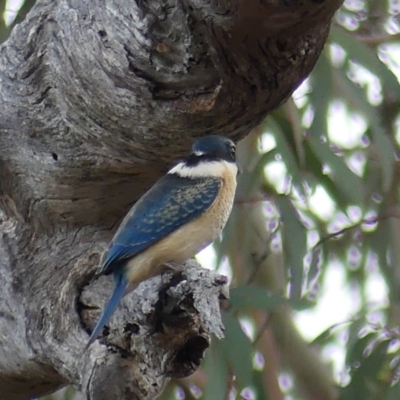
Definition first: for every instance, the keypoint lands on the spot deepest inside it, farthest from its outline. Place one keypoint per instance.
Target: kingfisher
(180, 215)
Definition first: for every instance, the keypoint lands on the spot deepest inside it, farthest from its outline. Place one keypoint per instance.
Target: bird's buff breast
(188, 240)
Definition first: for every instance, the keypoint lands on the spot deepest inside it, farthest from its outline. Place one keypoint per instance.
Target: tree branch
(113, 94)
(174, 318)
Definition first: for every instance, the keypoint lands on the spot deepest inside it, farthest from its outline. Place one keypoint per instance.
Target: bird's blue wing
(121, 284)
(172, 202)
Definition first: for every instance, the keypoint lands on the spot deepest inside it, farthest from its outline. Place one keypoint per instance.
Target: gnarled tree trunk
(97, 99)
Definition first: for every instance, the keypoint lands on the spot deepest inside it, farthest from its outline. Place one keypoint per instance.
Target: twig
(262, 328)
(378, 39)
(369, 221)
(251, 200)
(272, 366)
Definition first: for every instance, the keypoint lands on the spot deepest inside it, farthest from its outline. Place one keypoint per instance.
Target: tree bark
(97, 99)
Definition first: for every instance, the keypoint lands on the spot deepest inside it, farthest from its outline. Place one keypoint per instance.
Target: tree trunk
(98, 98)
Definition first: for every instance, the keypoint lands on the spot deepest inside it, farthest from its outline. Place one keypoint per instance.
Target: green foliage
(216, 368)
(3, 27)
(358, 232)
(245, 298)
(19, 15)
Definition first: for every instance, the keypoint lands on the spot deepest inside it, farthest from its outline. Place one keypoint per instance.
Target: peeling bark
(97, 99)
(174, 317)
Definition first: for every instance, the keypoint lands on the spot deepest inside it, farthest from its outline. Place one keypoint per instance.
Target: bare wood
(96, 101)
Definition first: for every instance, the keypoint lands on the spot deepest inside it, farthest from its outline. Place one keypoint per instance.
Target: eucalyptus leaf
(238, 351)
(321, 96)
(367, 57)
(350, 185)
(294, 243)
(243, 298)
(355, 96)
(216, 367)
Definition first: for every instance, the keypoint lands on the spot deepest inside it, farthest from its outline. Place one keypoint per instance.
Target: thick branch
(165, 337)
(110, 95)
(159, 331)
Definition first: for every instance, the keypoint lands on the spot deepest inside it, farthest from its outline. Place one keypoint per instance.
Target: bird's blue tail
(121, 284)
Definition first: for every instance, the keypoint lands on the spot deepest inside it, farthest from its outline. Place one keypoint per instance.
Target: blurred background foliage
(313, 244)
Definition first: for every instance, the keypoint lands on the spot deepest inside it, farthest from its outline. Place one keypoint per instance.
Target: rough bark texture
(97, 98)
(173, 313)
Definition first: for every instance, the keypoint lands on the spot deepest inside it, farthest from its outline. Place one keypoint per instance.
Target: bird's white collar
(205, 169)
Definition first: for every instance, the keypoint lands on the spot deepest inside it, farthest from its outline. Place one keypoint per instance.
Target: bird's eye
(233, 151)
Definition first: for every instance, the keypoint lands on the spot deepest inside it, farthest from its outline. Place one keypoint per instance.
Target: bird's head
(210, 156)
(212, 148)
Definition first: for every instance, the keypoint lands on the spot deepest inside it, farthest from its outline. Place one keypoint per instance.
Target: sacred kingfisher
(180, 215)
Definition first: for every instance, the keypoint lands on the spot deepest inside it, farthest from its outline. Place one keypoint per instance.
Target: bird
(184, 212)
